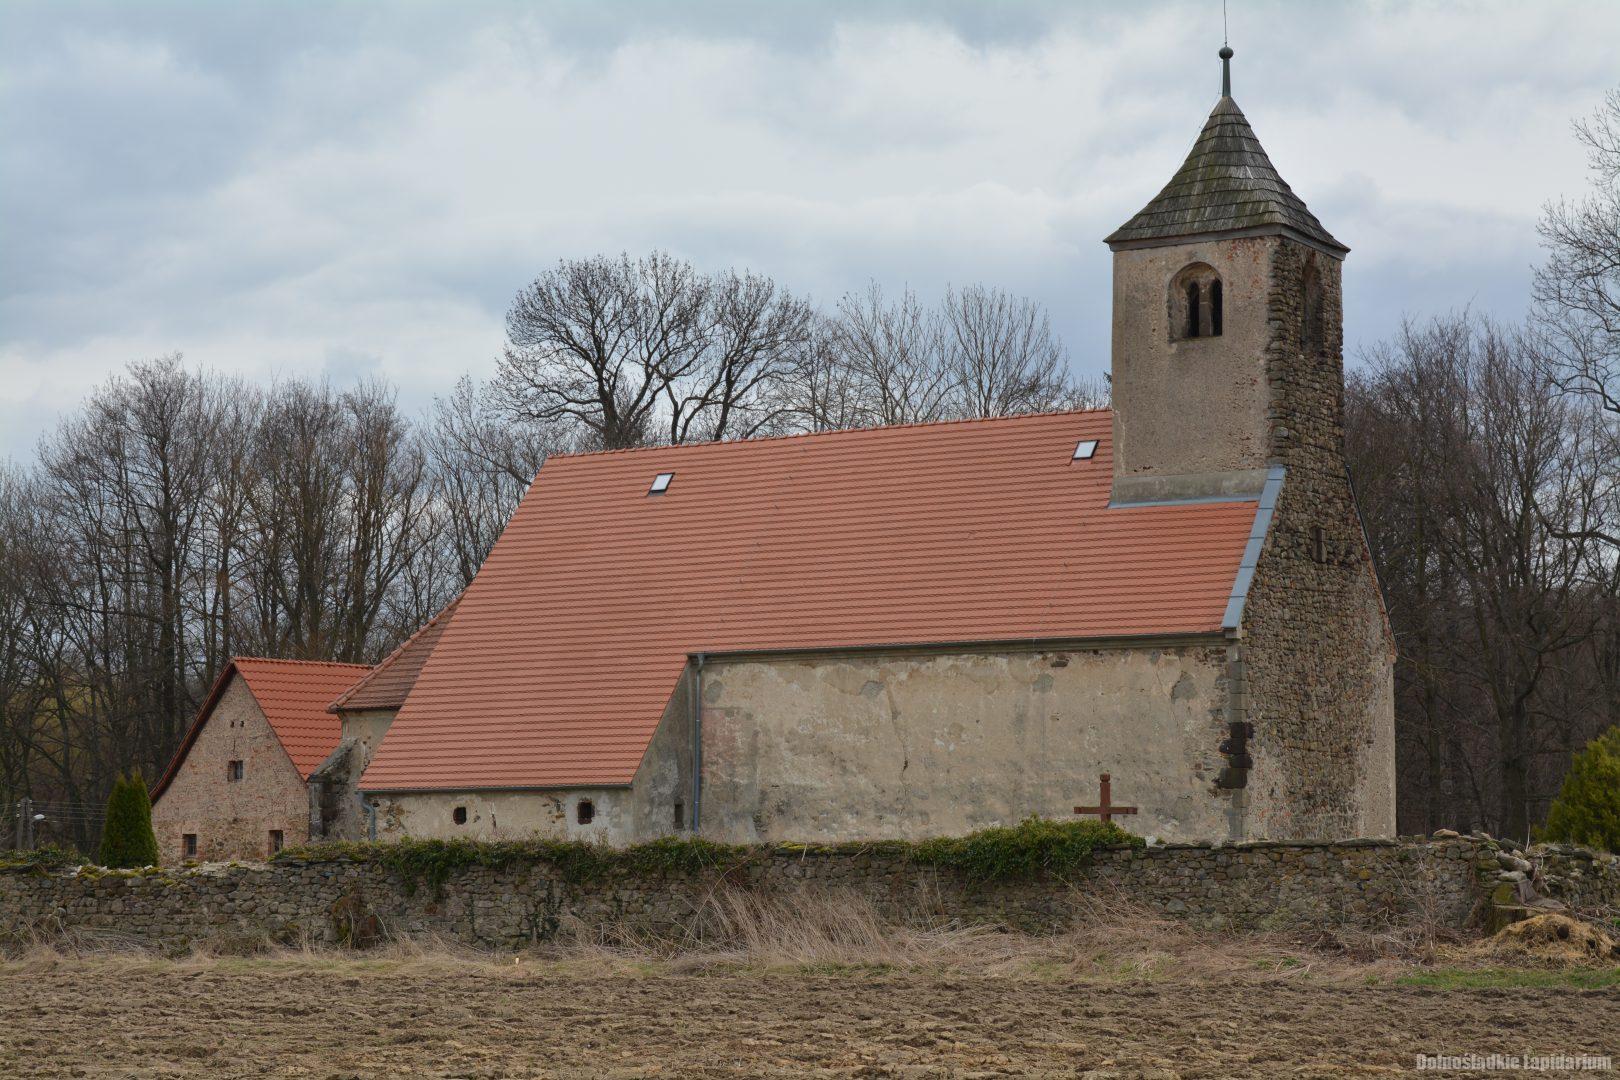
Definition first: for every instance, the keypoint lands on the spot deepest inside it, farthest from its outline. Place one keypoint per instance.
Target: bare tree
(1477, 478)
(649, 350)
(1578, 288)
(482, 464)
(1002, 355)
(896, 356)
(337, 497)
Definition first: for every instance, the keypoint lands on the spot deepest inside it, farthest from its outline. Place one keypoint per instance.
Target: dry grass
(1109, 938)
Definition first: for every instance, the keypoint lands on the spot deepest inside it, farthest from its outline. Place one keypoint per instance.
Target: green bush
(127, 840)
(1587, 810)
(1033, 847)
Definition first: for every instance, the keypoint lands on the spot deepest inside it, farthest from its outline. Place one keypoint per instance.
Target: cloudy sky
(353, 188)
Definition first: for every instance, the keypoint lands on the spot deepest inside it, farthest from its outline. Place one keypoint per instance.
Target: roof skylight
(1084, 450)
(660, 483)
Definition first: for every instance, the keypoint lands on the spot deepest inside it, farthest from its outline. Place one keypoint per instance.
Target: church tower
(1227, 337)
(1228, 383)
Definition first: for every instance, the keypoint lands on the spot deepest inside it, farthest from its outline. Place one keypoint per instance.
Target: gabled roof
(568, 644)
(293, 695)
(1226, 185)
(387, 684)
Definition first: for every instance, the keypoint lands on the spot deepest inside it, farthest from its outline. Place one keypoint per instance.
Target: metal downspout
(697, 741)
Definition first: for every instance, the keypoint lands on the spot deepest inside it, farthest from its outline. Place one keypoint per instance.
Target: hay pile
(1549, 941)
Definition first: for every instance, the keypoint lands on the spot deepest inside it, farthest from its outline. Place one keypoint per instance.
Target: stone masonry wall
(1368, 884)
(1319, 659)
(233, 818)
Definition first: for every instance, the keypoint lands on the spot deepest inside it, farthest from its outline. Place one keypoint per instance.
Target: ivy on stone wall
(1034, 847)
(1029, 849)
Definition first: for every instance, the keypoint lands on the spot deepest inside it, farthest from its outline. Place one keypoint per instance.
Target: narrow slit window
(1318, 543)
(585, 812)
(660, 483)
(1085, 449)
(1215, 308)
(233, 770)
(188, 845)
(1192, 309)
(680, 815)
(277, 840)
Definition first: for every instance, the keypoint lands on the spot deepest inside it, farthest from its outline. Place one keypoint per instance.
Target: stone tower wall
(1319, 658)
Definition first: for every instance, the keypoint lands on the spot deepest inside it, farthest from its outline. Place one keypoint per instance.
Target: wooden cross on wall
(1104, 809)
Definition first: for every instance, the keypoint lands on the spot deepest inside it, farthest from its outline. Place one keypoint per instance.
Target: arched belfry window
(1310, 318)
(1197, 303)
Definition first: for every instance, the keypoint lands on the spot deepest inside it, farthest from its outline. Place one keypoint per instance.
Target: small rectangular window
(188, 845)
(459, 815)
(276, 840)
(1084, 450)
(233, 770)
(680, 815)
(1318, 543)
(585, 813)
(660, 483)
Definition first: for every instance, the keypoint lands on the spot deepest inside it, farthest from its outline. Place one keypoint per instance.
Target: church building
(929, 629)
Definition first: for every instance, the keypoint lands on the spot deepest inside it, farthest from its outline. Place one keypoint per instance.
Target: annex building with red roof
(927, 629)
(237, 786)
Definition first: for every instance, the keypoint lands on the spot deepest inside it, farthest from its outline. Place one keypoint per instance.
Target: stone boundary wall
(1455, 881)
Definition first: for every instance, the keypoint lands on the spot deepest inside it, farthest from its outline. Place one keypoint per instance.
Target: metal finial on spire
(1226, 55)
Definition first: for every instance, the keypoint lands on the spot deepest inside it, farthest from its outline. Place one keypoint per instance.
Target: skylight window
(661, 483)
(1085, 449)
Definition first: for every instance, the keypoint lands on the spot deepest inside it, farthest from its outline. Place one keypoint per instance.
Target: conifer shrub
(127, 839)
(1587, 809)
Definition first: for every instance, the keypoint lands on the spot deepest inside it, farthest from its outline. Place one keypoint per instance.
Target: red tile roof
(293, 695)
(387, 684)
(567, 646)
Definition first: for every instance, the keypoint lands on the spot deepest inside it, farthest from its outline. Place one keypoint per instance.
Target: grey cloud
(333, 189)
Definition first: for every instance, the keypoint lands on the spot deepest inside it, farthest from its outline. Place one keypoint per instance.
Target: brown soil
(103, 1017)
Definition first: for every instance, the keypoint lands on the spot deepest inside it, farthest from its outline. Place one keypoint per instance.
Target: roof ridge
(830, 432)
(293, 662)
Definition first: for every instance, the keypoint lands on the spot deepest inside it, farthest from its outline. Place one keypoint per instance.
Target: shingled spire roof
(1227, 185)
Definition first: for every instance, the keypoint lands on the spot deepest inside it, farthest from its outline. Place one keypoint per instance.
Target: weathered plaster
(506, 815)
(232, 818)
(1186, 406)
(337, 809)
(367, 728)
(901, 746)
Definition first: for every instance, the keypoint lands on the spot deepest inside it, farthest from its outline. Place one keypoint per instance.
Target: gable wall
(864, 746)
(232, 819)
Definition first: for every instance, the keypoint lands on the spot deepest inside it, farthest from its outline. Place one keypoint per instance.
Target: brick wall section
(233, 818)
(1320, 664)
(1368, 884)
